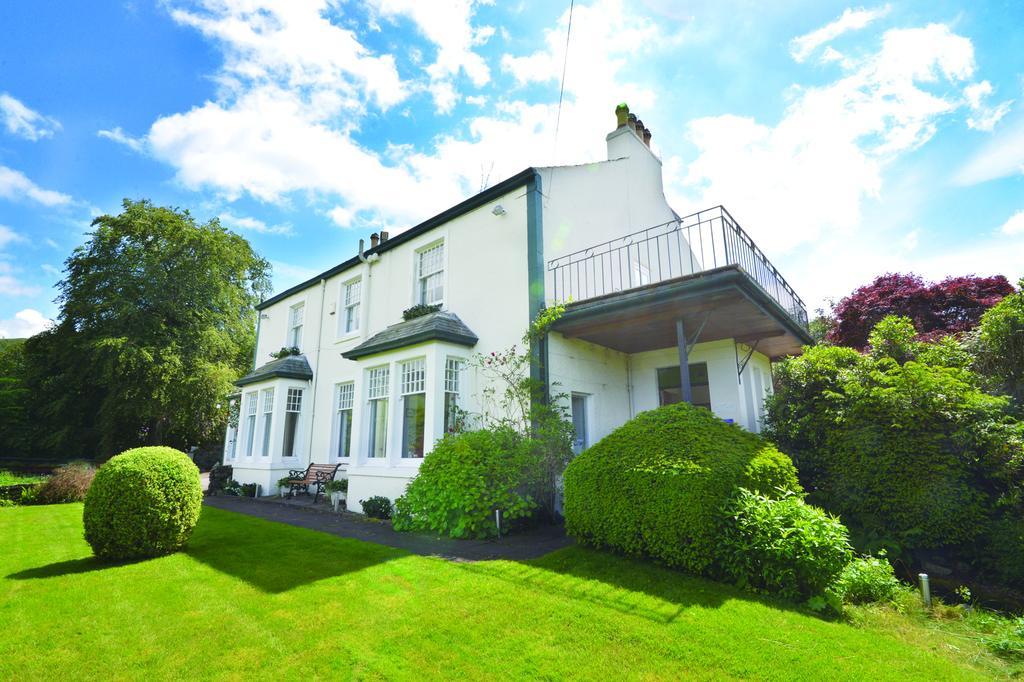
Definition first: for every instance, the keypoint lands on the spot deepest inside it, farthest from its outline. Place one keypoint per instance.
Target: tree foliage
(953, 305)
(902, 442)
(1000, 345)
(156, 320)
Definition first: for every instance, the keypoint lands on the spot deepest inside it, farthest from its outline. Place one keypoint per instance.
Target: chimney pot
(374, 240)
(647, 136)
(621, 115)
(639, 127)
(383, 236)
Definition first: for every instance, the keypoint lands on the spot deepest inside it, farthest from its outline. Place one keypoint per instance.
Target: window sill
(351, 336)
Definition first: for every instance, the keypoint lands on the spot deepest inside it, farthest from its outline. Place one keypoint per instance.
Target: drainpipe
(316, 370)
(365, 297)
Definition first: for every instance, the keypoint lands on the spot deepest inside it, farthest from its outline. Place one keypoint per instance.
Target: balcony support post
(684, 363)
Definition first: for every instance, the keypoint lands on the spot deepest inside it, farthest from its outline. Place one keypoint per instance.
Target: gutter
(316, 369)
(535, 278)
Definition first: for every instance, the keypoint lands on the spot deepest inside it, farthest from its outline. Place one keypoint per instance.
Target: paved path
(528, 544)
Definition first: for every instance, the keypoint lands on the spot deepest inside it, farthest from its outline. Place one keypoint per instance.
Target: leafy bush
(1003, 636)
(419, 310)
(463, 480)
(783, 546)
(142, 503)
(69, 483)
(865, 580)
(377, 507)
(337, 486)
(913, 452)
(1001, 345)
(656, 486)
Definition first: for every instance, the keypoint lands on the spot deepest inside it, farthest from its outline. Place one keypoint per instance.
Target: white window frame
(378, 397)
(296, 320)
(267, 402)
(345, 398)
(419, 294)
(413, 381)
(250, 421)
(292, 406)
(452, 385)
(350, 311)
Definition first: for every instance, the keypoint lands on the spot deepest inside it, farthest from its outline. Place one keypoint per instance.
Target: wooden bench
(315, 474)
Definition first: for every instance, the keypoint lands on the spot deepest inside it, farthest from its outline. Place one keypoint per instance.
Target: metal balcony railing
(695, 243)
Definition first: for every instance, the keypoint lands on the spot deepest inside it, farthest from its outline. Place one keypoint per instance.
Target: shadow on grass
(276, 558)
(628, 585)
(69, 567)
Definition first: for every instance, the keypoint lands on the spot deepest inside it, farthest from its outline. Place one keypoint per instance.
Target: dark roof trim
(472, 203)
(291, 367)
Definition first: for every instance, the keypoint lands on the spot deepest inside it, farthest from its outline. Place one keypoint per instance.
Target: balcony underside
(715, 304)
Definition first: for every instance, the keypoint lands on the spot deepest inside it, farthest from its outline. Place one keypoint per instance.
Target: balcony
(702, 271)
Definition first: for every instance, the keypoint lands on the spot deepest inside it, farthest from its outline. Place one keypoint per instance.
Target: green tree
(1000, 344)
(156, 321)
(13, 398)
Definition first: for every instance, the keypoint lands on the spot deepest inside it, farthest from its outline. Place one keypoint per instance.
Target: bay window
(378, 383)
(268, 414)
(343, 420)
(250, 422)
(452, 419)
(430, 275)
(414, 408)
(292, 409)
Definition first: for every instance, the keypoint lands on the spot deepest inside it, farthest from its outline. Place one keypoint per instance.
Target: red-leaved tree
(953, 305)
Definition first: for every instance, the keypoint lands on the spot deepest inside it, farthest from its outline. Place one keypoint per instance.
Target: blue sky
(848, 140)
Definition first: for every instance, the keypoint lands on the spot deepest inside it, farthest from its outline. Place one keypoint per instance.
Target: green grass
(12, 478)
(254, 599)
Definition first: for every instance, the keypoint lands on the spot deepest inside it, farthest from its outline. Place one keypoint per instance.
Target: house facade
(659, 308)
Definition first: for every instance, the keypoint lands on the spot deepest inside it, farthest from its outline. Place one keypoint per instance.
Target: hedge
(142, 503)
(657, 485)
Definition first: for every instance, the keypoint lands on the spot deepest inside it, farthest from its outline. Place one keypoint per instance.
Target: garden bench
(315, 474)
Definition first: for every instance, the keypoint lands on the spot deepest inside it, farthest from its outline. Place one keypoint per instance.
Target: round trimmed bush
(657, 485)
(142, 503)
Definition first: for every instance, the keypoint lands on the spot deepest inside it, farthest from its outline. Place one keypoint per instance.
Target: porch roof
(289, 367)
(713, 304)
(439, 326)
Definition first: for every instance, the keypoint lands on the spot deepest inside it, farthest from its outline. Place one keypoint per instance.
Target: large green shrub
(464, 479)
(909, 450)
(783, 546)
(866, 579)
(142, 503)
(656, 486)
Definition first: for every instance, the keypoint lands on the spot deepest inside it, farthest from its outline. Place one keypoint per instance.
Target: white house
(660, 308)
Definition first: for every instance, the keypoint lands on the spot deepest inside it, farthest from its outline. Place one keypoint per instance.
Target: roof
(439, 326)
(472, 203)
(290, 367)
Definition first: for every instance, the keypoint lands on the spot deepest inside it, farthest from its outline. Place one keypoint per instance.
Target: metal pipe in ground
(926, 590)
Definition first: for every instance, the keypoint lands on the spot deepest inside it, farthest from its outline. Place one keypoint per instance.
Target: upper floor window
(414, 408)
(292, 408)
(352, 299)
(430, 275)
(346, 393)
(295, 316)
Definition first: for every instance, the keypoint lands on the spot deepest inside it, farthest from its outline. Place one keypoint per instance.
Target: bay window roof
(290, 367)
(439, 326)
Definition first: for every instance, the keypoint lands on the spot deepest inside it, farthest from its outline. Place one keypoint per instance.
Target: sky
(848, 140)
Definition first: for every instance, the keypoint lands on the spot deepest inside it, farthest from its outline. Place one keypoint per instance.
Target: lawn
(255, 599)
(12, 478)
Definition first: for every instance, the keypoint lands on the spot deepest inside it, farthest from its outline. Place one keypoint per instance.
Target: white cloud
(25, 323)
(851, 20)
(24, 122)
(449, 26)
(341, 216)
(52, 270)
(117, 135)
(9, 236)
(985, 117)
(1001, 156)
(1015, 225)
(14, 185)
(249, 224)
(810, 173)
(11, 285)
